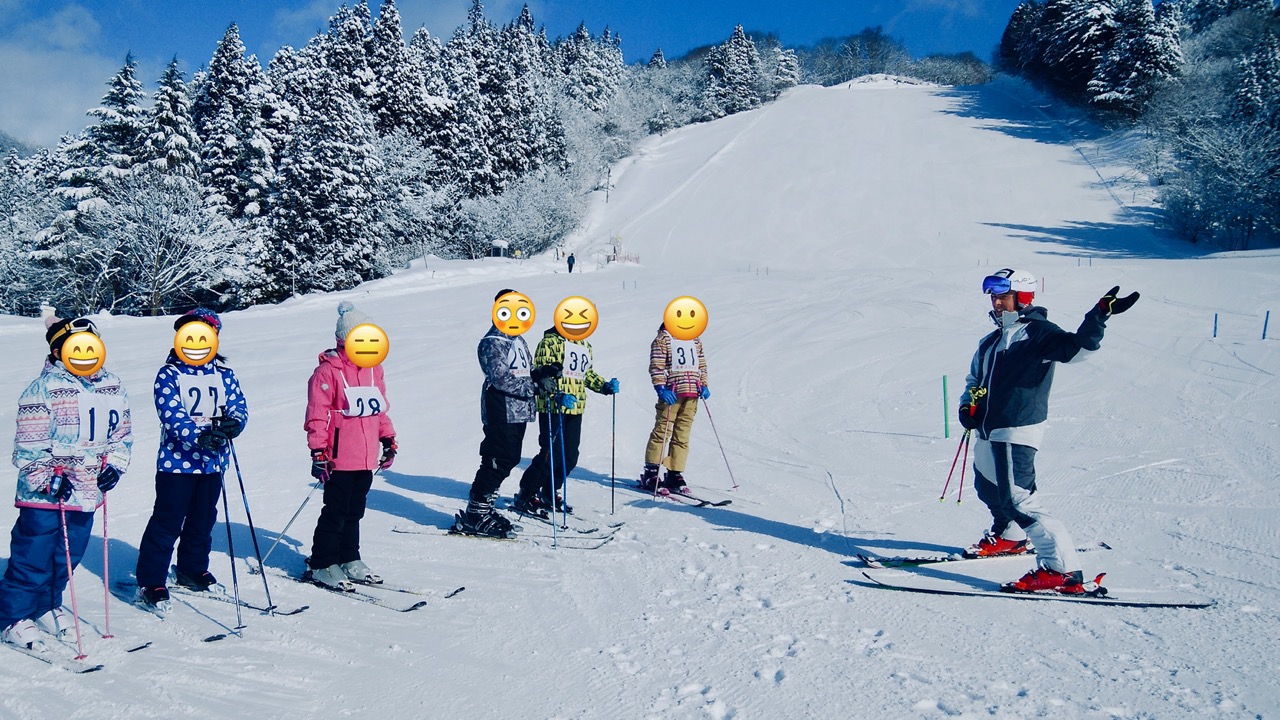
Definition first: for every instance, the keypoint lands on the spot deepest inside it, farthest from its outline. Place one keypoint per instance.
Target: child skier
(680, 380)
(350, 436)
(72, 444)
(1006, 401)
(201, 409)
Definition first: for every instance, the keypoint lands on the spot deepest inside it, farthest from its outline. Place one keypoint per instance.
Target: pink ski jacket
(345, 416)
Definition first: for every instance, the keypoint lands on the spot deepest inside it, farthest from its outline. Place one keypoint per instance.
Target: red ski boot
(993, 545)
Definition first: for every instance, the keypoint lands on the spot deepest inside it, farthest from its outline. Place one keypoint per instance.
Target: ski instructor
(1006, 402)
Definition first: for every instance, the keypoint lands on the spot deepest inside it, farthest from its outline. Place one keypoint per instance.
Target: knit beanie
(348, 318)
(200, 314)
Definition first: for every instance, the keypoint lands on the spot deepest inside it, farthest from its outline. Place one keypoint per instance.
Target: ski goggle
(995, 285)
(71, 328)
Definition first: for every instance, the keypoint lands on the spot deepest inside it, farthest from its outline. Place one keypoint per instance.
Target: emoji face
(196, 343)
(514, 314)
(83, 354)
(685, 318)
(367, 345)
(576, 318)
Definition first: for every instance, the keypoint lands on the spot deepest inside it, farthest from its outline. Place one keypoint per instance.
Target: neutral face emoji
(196, 343)
(576, 318)
(513, 314)
(83, 354)
(366, 345)
(685, 318)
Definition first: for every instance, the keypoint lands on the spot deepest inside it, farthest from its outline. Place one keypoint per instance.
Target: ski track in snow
(837, 237)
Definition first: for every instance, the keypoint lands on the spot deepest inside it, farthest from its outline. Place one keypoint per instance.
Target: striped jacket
(79, 423)
(551, 349)
(667, 357)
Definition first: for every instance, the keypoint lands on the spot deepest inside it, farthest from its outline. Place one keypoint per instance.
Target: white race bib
(684, 355)
(202, 395)
(577, 361)
(364, 402)
(99, 415)
(518, 360)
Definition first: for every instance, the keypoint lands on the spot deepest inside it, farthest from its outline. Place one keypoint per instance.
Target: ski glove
(665, 395)
(705, 393)
(1109, 304)
(227, 426)
(969, 419)
(613, 386)
(389, 448)
(320, 465)
(544, 376)
(108, 478)
(60, 486)
(565, 400)
(211, 440)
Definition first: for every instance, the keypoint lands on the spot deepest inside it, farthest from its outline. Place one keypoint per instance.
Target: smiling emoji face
(685, 318)
(366, 345)
(196, 343)
(576, 318)
(83, 354)
(513, 314)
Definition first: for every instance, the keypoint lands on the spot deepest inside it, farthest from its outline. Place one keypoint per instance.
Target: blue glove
(705, 393)
(613, 386)
(665, 395)
(108, 478)
(60, 486)
(566, 400)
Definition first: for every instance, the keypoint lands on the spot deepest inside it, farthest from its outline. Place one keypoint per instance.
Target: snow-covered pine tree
(397, 93)
(348, 48)
(734, 78)
(170, 143)
(1142, 55)
(657, 61)
(115, 141)
(466, 150)
(590, 69)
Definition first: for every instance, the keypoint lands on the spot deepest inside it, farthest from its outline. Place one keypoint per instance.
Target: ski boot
(357, 571)
(531, 505)
(331, 577)
(992, 545)
(55, 623)
(558, 505)
(24, 634)
(1046, 580)
(199, 582)
(153, 600)
(482, 520)
(673, 482)
(649, 479)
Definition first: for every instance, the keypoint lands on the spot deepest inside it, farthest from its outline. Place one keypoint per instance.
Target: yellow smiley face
(367, 345)
(513, 314)
(196, 343)
(685, 318)
(83, 354)
(576, 318)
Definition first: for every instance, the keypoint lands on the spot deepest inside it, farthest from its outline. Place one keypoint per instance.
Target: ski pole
(564, 474)
(262, 566)
(964, 441)
(71, 580)
(253, 532)
(722, 452)
(551, 476)
(668, 428)
(613, 455)
(106, 593)
(963, 467)
(231, 550)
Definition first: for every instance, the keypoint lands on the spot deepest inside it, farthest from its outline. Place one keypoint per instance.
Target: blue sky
(56, 55)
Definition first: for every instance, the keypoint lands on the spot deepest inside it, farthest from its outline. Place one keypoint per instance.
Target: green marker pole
(946, 410)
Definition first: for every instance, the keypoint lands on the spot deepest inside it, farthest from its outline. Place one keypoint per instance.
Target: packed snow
(838, 238)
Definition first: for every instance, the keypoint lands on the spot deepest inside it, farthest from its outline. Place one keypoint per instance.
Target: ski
(879, 562)
(536, 536)
(404, 590)
(684, 498)
(575, 523)
(70, 665)
(217, 596)
(969, 586)
(359, 596)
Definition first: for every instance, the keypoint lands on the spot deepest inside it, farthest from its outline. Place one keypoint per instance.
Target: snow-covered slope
(838, 238)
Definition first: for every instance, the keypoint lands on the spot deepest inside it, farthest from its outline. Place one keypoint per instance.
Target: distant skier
(73, 442)
(678, 369)
(201, 409)
(350, 435)
(571, 262)
(1006, 402)
(506, 406)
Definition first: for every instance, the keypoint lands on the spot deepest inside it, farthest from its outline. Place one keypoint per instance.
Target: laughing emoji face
(685, 318)
(196, 343)
(513, 314)
(576, 318)
(366, 345)
(83, 354)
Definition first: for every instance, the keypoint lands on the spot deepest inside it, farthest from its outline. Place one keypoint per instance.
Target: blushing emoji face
(196, 343)
(514, 314)
(83, 354)
(685, 318)
(576, 318)
(366, 345)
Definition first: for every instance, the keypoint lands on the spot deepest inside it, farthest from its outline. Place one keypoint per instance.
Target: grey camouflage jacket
(508, 392)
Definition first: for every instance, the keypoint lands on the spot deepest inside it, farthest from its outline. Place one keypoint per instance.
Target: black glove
(227, 426)
(1109, 304)
(211, 440)
(389, 448)
(108, 478)
(969, 419)
(60, 486)
(320, 465)
(544, 376)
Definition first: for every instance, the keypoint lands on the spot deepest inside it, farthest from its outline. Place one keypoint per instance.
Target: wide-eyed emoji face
(576, 318)
(196, 343)
(83, 354)
(685, 318)
(366, 345)
(513, 313)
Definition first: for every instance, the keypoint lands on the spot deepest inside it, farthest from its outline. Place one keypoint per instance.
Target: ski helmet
(1021, 282)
